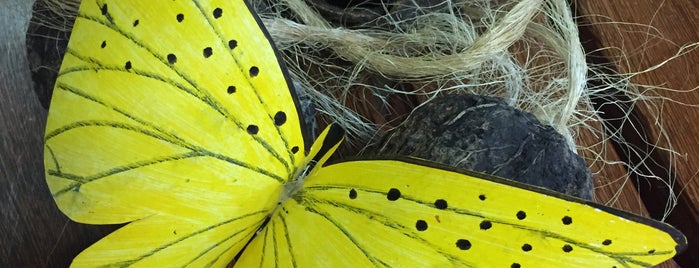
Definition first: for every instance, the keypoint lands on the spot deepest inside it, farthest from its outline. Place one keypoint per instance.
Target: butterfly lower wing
(170, 112)
(159, 241)
(397, 213)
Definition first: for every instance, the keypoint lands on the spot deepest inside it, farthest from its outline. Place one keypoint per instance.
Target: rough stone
(484, 134)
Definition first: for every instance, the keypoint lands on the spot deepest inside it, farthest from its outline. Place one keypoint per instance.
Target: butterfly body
(177, 118)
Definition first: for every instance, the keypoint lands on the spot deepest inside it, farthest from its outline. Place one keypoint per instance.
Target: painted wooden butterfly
(177, 118)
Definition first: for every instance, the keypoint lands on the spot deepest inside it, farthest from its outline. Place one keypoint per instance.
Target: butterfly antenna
(325, 145)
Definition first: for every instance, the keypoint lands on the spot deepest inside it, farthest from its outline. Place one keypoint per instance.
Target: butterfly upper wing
(392, 213)
(175, 115)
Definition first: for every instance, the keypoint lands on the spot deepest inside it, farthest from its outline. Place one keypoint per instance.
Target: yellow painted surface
(144, 130)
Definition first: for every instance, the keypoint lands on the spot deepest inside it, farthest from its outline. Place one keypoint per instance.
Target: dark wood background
(35, 234)
(674, 25)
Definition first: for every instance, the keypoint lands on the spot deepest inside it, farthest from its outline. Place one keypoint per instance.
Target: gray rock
(484, 134)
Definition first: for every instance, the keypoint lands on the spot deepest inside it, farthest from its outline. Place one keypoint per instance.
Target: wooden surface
(672, 25)
(23, 197)
(35, 234)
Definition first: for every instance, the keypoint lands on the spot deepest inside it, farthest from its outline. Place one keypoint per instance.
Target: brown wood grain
(646, 33)
(613, 186)
(33, 232)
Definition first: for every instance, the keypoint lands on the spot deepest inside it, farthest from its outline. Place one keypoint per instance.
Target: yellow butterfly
(177, 118)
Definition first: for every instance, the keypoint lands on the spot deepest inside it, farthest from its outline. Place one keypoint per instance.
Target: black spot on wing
(253, 129)
(567, 220)
(171, 58)
(254, 71)
(128, 65)
(353, 194)
(440, 204)
(567, 248)
(279, 118)
(463, 244)
(104, 10)
(218, 12)
(485, 225)
(421, 225)
(393, 194)
(521, 215)
(207, 52)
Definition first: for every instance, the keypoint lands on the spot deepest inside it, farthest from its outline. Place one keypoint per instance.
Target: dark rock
(46, 44)
(486, 135)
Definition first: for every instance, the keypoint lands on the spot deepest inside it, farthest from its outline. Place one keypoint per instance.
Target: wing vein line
(250, 84)
(378, 217)
(207, 98)
(87, 96)
(247, 231)
(288, 240)
(159, 134)
(82, 180)
(621, 257)
(349, 236)
(174, 139)
(198, 232)
(115, 124)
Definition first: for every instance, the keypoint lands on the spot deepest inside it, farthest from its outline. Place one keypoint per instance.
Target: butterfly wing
(177, 117)
(404, 213)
